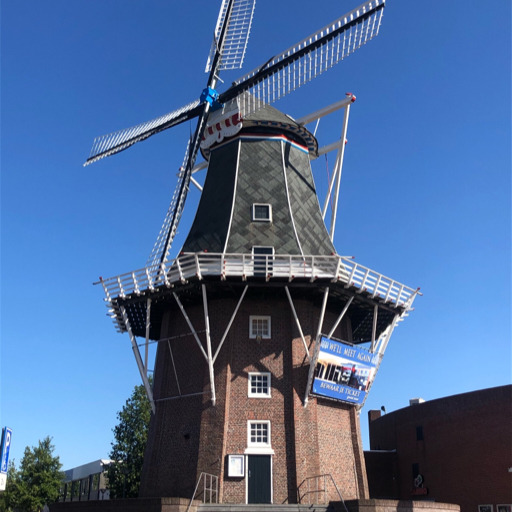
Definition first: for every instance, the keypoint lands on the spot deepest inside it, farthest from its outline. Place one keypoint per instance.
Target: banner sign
(6, 445)
(4, 460)
(343, 372)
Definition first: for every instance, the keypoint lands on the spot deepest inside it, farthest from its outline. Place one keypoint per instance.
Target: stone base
(181, 504)
(394, 506)
(127, 505)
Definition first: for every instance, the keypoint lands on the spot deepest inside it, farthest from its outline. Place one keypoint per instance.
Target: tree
(130, 436)
(6, 496)
(38, 480)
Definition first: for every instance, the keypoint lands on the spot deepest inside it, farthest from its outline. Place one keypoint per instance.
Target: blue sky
(425, 194)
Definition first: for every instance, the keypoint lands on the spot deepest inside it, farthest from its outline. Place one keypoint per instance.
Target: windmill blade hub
(210, 95)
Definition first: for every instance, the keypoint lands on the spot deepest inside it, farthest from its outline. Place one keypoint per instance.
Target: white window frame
(253, 394)
(236, 466)
(259, 448)
(261, 445)
(261, 219)
(253, 335)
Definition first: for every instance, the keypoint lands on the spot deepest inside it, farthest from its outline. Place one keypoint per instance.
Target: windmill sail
(163, 245)
(172, 217)
(115, 142)
(237, 35)
(279, 76)
(307, 59)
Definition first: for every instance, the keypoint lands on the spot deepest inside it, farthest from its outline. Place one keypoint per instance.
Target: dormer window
(261, 212)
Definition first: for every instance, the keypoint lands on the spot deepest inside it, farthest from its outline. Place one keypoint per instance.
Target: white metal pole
(383, 346)
(174, 367)
(374, 327)
(297, 322)
(138, 359)
(230, 323)
(148, 327)
(339, 168)
(342, 314)
(192, 330)
(349, 98)
(208, 343)
(317, 346)
(331, 185)
(196, 183)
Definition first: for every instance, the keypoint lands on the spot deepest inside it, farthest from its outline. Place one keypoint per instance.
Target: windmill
(276, 78)
(258, 265)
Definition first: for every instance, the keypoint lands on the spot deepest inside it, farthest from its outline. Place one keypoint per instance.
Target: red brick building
(456, 449)
(259, 411)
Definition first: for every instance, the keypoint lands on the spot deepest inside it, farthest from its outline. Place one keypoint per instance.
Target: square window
(259, 385)
(261, 212)
(258, 433)
(259, 327)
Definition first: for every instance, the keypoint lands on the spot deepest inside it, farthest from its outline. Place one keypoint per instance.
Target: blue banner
(343, 372)
(6, 445)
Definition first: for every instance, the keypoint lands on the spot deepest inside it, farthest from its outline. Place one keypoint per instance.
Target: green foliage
(36, 483)
(6, 496)
(130, 436)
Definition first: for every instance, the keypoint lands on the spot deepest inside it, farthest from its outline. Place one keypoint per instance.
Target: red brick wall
(382, 469)
(189, 435)
(171, 458)
(466, 448)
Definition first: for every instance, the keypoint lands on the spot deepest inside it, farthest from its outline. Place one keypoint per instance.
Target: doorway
(263, 258)
(259, 479)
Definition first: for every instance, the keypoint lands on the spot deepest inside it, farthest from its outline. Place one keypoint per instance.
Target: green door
(259, 479)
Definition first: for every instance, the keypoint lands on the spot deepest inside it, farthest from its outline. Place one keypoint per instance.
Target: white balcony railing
(271, 267)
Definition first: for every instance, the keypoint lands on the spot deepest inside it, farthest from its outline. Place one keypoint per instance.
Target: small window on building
(259, 327)
(259, 385)
(261, 212)
(415, 469)
(419, 433)
(258, 433)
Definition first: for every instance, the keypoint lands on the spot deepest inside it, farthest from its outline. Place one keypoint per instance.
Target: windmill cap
(227, 122)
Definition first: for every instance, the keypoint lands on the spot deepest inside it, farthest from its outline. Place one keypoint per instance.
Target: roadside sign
(4, 461)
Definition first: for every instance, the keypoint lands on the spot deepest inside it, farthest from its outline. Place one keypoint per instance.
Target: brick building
(456, 449)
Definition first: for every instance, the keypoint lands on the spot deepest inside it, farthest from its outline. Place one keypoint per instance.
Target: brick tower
(258, 223)
(268, 340)
(239, 324)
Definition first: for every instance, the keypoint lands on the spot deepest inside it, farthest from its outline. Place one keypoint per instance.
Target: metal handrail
(317, 480)
(210, 489)
(281, 266)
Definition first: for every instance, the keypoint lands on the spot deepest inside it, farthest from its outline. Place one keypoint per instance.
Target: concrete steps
(263, 508)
